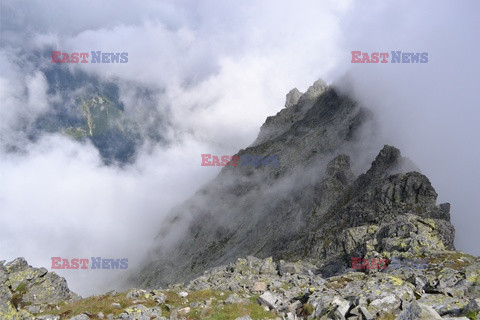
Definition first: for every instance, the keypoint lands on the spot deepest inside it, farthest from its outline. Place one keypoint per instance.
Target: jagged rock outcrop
(292, 97)
(381, 214)
(25, 290)
(313, 206)
(249, 210)
(296, 105)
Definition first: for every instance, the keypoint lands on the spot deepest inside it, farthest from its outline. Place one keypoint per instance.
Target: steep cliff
(312, 206)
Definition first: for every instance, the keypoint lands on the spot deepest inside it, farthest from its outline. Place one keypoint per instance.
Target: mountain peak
(292, 97)
(311, 202)
(315, 90)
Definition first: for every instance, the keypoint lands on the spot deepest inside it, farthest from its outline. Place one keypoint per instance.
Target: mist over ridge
(202, 78)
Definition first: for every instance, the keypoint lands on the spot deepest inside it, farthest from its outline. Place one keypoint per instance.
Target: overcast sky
(222, 67)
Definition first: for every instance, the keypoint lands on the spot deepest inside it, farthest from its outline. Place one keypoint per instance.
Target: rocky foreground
(253, 288)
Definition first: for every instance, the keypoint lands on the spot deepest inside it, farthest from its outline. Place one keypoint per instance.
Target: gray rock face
(48, 317)
(34, 288)
(420, 311)
(311, 206)
(235, 299)
(292, 97)
(381, 214)
(80, 317)
(296, 106)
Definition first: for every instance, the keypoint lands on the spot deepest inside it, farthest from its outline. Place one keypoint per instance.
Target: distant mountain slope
(311, 206)
(88, 108)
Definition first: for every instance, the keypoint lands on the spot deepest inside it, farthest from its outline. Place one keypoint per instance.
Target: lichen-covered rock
(447, 288)
(445, 305)
(418, 311)
(80, 317)
(140, 311)
(381, 214)
(25, 290)
(270, 300)
(235, 299)
(47, 317)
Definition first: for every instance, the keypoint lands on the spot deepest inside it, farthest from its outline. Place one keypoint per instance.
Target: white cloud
(60, 201)
(37, 87)
(222, 67)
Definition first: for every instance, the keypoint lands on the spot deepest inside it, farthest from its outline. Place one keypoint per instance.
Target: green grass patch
(338, 283)
(472, 315)
(220, 311)
(95, 304)
(452, 259)
(307, 309)
(22, 288)
(387, 316)
(217, 309)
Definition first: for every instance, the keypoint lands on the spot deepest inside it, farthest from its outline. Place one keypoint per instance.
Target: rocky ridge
(304, 221)
(253, 288)
(319, 205)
